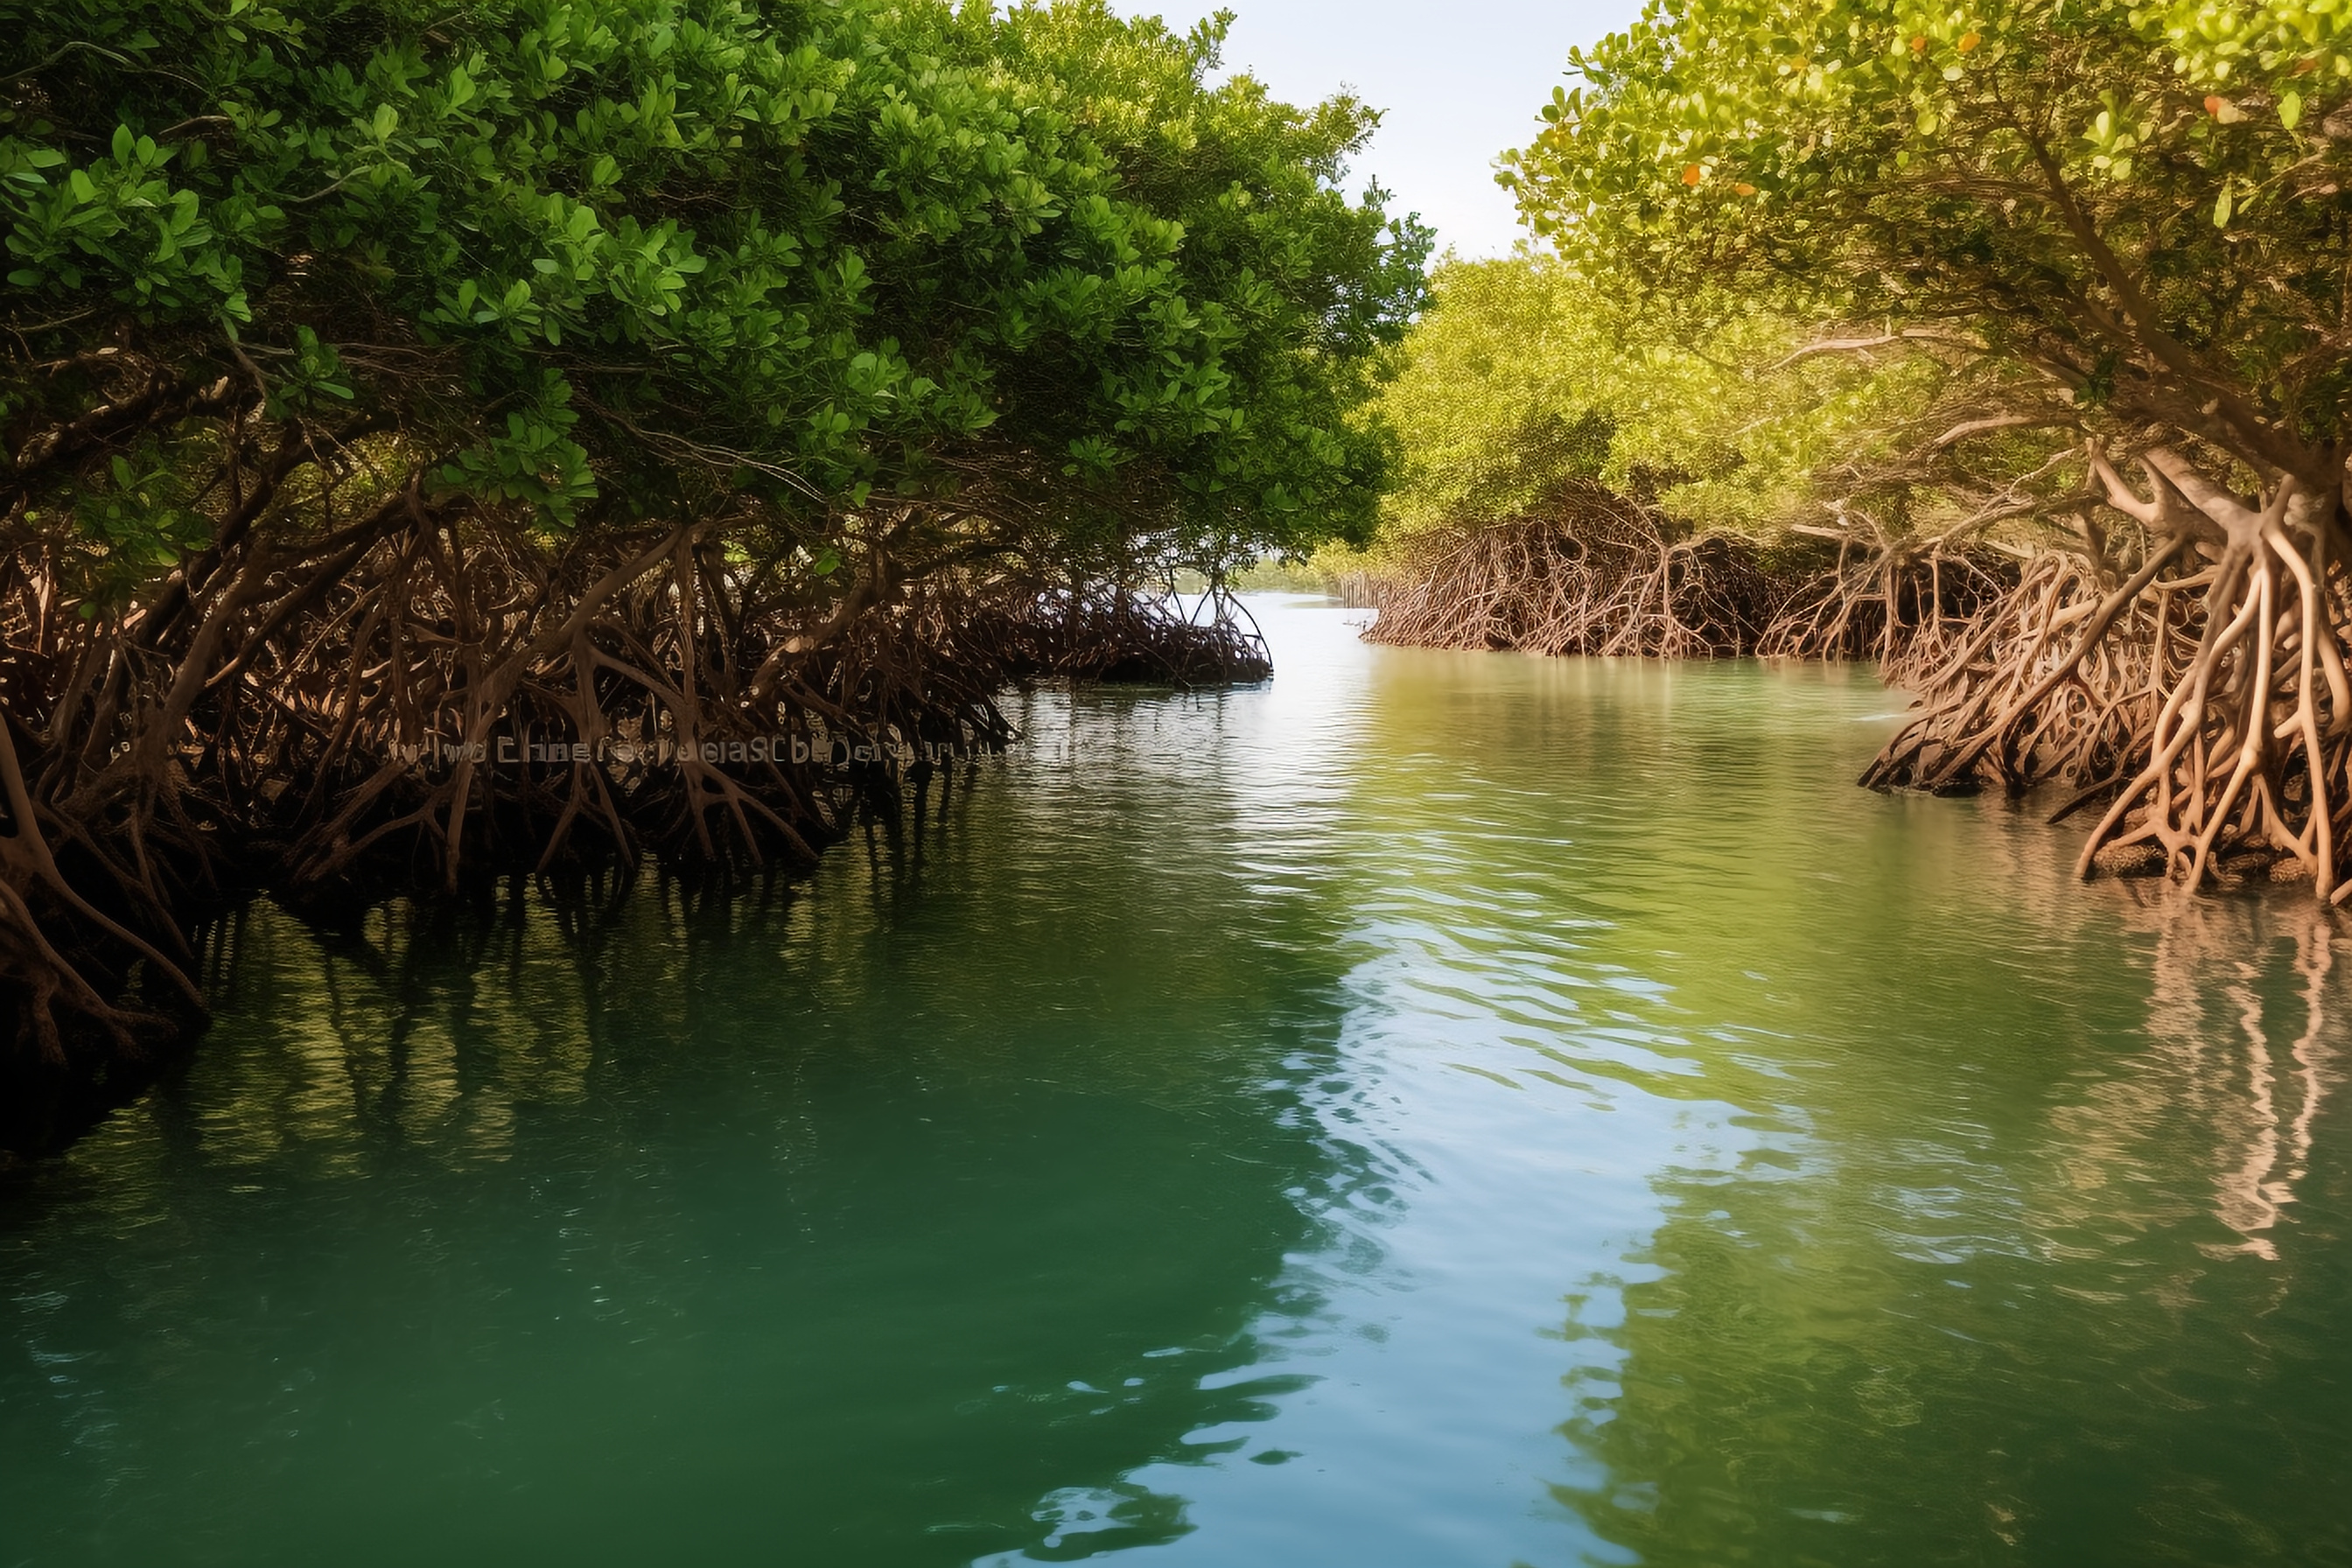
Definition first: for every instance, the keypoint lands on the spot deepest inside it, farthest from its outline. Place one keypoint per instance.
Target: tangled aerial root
(2198, 686)
(1905, 602)
(308, 666)
(1608, 576)
(2036, 691)
(1109, 632)
(1605, 576)
(423, 696)
(2189, 676)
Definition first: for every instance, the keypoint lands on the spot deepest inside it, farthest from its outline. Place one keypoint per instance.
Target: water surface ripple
(1430, 1110)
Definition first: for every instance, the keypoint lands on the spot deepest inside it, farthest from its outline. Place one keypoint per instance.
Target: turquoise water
(1431, 1109)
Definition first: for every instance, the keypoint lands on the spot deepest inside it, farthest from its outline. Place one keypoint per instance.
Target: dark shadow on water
(887, 1219)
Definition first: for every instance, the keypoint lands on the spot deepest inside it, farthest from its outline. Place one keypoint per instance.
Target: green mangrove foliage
(1594, 466)
(522, 431)
(1529, 376)
(2122, 231)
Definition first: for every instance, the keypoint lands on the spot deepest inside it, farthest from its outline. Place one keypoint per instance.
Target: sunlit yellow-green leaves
(1529, 374)
(2141, 209)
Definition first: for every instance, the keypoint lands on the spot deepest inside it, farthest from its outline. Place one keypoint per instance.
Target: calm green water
(1433, 1109)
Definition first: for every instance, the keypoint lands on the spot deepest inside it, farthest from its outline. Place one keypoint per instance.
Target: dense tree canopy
(606, 257)
(2123, 232)
(2039, 186)
(1530, 375)
(516, 430)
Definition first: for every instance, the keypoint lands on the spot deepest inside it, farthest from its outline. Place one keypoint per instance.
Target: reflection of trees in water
(2235, 1063)
(885, 1205)
(2066, 1293)
(2043, 1256)
(420, 1031)
(2266, 1101)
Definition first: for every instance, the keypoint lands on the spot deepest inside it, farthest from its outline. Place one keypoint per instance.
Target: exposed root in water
(1605, 576)
(412, 692)
(1903, 601)
(2193, 681)
(2035, 691)
(1109, 632)
(2185, 673)
(1608, 576)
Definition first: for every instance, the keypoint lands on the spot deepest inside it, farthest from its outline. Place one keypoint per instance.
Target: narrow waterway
(1430, 1110)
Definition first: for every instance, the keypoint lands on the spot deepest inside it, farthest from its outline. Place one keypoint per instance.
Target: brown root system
(417, 692)
(2190, 681)
(1606, 576)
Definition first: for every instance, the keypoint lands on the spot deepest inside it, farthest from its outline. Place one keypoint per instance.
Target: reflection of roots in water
(2253, 1196)
(2265, 1116)
(2220, 1005)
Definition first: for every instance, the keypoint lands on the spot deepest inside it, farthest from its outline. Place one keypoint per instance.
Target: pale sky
(1459, 80)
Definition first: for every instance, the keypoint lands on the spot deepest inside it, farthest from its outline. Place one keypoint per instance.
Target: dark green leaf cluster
(612, 259)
